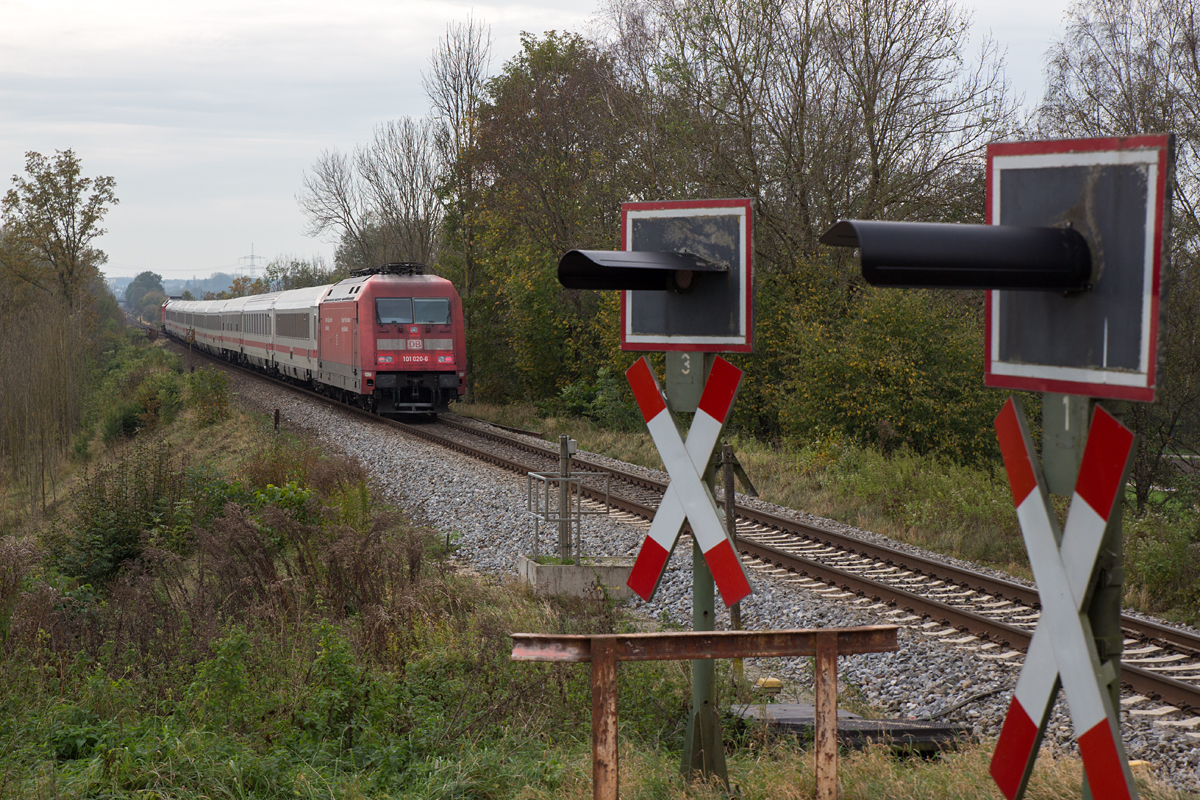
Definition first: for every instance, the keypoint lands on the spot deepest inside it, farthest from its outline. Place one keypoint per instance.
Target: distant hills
(217, 282)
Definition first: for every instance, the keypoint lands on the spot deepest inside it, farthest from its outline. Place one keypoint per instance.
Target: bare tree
(730, 104)
(454, 84)
(333, 200)
(1126, 67)
(399, 175)
(817, 109)
(920, 115)
(382, 202)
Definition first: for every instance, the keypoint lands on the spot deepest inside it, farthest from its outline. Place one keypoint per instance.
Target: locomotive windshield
(432, 310)
(391, 310)
(417, 310)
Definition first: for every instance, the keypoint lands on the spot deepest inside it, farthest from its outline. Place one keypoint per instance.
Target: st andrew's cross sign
(1063, 651)
(687, 496)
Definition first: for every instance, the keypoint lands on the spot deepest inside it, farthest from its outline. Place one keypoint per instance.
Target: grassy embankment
(961, 511)
(212, 611)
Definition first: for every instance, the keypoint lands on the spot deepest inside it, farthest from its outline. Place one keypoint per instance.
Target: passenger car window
(432, 310)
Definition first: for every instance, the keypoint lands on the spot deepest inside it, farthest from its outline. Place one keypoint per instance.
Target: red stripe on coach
(647, 568)
(720, 389)
(1021, 478)
(1014, 752)
(1104, 459)
(727, 572)
(645, 389)
(1102, 763)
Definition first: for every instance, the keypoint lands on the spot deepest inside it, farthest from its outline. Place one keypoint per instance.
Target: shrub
(121, 421)
(18, 558)
(120, 501)
(608, 402)
(140, 388)
(160, 396)
(1162, 561)
(208, 393)
(895, 369)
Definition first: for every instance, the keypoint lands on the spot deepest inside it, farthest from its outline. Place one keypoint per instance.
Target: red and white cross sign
(687, 497)
(1063, 650)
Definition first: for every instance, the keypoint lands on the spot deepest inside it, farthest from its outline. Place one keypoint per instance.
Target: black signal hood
(955, 256)
(625, 269)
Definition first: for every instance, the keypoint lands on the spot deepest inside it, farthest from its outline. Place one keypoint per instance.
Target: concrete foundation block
(578, 580)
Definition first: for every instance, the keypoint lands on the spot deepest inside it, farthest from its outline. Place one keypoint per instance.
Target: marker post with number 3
(686, 281)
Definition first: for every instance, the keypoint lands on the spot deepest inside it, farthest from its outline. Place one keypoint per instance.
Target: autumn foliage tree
(51, 215)
(552, 172)
(815, 111)
(54, 311)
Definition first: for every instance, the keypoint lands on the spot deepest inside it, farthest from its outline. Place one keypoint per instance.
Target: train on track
(388, 339)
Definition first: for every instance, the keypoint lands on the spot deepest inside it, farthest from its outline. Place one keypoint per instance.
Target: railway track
(962, 606)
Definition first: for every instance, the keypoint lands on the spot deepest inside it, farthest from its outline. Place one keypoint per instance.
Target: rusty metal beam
(606, 651)
(605, 773)
(698, 645)
(825, 721)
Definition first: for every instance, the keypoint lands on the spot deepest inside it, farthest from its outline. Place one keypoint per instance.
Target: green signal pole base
(703, 747)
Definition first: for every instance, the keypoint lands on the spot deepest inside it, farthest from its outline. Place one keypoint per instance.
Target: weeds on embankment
(223, 612)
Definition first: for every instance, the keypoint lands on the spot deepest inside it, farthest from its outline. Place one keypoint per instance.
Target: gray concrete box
(578, 580)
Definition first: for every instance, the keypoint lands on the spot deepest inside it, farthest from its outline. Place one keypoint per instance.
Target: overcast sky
(208, 113)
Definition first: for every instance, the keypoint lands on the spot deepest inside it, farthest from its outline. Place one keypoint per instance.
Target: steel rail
(936, 570)
(1169, 690)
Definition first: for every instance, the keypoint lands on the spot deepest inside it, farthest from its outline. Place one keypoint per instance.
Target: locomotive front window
(432, 310)
(393, 310)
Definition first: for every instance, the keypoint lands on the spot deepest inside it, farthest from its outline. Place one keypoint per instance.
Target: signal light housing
(633, 269)
(955, 256)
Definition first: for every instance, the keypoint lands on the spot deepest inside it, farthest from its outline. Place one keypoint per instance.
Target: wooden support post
(825, 724)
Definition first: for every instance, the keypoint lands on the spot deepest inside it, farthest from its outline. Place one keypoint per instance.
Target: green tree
(138, 287)
(290, 272)
(553, 172)
(150, 308)
(241, 286)
(51, 215)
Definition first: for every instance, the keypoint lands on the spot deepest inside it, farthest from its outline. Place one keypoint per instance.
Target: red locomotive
(388, 339)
